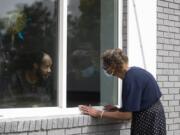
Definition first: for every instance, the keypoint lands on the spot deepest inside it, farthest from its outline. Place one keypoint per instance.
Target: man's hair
(114, 57)
(26, 59)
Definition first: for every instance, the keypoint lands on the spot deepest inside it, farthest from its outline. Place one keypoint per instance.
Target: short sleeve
(131, 96)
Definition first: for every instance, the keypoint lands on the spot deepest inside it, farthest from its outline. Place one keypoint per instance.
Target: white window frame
(62, 73)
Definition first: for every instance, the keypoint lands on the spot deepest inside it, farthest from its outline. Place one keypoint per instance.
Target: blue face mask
(108, 75)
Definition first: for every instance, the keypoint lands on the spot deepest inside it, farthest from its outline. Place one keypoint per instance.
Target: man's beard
(41, 76)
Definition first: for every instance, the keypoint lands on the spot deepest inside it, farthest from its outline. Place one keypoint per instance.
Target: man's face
(45, 67)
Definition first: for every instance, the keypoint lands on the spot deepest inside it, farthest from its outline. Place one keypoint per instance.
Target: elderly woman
(140, 97)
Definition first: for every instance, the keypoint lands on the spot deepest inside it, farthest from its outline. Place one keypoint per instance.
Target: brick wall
(66, 125)
(168, 61)
(124, 29)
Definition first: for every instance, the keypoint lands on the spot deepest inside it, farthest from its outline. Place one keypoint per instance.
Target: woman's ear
(35, 66)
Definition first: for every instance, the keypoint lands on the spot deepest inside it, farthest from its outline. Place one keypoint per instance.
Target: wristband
(101, 114)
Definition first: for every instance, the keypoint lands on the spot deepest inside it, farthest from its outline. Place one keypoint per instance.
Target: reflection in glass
(28, 44)
(90, 24)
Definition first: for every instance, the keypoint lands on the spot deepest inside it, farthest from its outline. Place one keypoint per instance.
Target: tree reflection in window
(30, 25)
(83, 82)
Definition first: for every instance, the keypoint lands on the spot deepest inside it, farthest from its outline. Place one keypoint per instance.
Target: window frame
(61, 108)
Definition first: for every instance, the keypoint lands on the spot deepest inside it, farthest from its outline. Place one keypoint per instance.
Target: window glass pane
(28, 44)
(92, 28)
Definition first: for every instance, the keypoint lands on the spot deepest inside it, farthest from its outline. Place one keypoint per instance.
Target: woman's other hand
(90, 111)
(110, 108)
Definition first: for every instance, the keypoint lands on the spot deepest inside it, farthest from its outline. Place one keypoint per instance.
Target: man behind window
(30, 85)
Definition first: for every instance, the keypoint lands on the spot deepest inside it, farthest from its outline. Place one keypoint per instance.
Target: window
(91, 28)
(28, 44)
(72, 36)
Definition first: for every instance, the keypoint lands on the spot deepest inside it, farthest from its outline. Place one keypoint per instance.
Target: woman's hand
(90, 111)
(110, 108)
(105, 114)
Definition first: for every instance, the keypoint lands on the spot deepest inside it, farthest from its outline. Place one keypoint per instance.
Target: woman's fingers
(84, 109)
(89, 110)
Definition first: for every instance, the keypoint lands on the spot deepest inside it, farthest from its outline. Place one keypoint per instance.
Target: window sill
(36, 112)
(16, 113)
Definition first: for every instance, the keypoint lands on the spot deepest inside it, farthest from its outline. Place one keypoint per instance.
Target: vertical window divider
(120, 38)
(62, 61)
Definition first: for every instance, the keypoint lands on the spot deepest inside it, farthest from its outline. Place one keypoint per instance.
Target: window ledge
(37, 112)
(15, 113)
